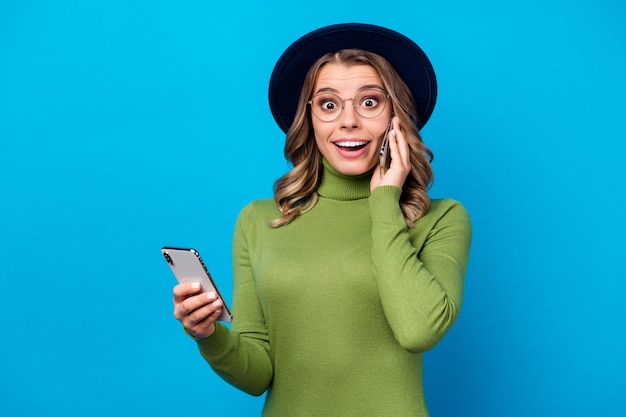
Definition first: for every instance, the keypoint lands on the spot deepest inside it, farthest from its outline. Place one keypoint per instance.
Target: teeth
(350, 144)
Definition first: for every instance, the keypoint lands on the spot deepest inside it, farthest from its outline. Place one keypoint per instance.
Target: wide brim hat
(408, 59)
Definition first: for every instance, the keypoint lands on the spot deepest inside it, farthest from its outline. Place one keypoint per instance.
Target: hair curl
(296, 191)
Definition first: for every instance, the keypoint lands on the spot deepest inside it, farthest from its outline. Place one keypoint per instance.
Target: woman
(351, 272)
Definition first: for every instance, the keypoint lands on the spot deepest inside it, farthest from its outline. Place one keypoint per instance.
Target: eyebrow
(335, 91)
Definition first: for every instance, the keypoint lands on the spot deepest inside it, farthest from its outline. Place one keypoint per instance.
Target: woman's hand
(400, 160)
(196, 310)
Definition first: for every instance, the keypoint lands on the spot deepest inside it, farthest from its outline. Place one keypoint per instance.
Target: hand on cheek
(400, 159)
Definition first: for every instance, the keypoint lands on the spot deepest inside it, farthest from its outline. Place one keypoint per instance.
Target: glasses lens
(370, 103)
(326, 106)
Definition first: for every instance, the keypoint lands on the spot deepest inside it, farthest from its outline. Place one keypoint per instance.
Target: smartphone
(385, 156)
(187, 266)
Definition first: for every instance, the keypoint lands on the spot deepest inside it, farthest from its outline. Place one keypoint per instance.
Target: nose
(349, 117)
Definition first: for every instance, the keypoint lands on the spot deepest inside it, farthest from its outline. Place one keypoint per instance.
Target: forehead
(347, 78)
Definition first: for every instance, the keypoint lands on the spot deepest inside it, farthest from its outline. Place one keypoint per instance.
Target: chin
(354, 169)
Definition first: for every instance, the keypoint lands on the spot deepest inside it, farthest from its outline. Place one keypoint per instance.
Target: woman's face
(351, 143)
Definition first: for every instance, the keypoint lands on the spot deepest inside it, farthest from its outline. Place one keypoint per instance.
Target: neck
(337, 186)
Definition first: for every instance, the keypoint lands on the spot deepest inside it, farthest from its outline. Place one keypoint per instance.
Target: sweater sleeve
(420, 271)
(241, 355)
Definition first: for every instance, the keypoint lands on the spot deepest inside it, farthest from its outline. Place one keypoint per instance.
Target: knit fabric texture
(332, 312)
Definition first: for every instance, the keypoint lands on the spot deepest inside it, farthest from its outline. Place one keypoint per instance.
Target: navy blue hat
(403, 54)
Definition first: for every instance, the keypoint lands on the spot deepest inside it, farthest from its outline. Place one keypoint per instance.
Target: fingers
(399, 146)
(192, 316)
(185, 290)
(194, 309)
(197, 312)
(400, 157)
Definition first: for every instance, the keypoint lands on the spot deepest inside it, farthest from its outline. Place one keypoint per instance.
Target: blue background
(126, 126)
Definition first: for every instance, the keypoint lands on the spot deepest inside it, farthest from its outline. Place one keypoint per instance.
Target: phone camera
(168, 258)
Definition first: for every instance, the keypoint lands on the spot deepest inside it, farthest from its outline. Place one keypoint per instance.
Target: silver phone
(187, 266)
(385, 156)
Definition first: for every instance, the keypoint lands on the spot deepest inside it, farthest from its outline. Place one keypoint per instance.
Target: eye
(369, 102)
(327, 104)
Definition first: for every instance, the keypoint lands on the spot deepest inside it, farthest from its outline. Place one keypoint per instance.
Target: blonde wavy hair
(296, 192)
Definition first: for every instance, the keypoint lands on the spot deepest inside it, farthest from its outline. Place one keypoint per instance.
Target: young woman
(351, 272)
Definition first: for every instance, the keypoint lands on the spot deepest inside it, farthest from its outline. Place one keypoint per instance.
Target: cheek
(378, 133)
(320, 141)
(321, 133)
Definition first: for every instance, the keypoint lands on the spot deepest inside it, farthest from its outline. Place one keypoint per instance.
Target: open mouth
(351, 145)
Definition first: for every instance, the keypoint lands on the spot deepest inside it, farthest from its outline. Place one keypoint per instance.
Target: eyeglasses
(368, 104)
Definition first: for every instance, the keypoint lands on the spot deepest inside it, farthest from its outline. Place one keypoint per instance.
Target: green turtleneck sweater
(331, 313)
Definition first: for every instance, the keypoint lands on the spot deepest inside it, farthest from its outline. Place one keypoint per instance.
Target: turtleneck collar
(337, 186)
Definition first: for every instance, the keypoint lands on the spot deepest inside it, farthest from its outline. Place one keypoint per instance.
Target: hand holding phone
(187, 266)
(385, 156)
(395, 157)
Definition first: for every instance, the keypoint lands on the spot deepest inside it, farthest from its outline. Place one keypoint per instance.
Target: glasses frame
(343, 104)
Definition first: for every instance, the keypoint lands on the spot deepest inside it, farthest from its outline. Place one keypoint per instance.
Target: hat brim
(403, 54)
